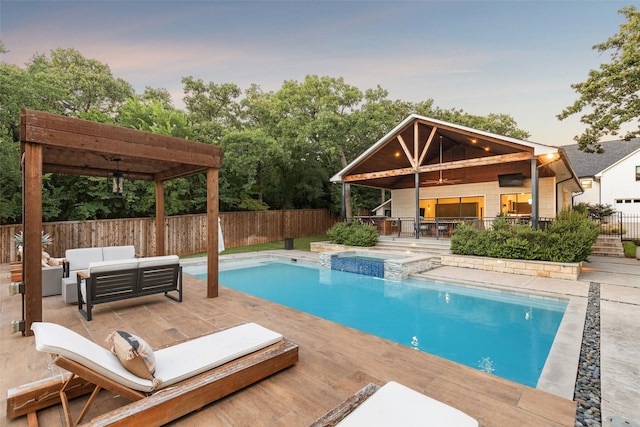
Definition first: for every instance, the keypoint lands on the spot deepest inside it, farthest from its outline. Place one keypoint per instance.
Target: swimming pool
(505, 334)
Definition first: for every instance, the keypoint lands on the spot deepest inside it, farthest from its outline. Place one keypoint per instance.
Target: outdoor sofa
(79, 260)
(107, 281)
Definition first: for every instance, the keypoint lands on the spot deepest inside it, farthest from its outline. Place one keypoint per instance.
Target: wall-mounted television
(511, 180)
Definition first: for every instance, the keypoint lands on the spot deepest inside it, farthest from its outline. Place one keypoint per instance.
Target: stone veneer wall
(394, 269)
(555, 270)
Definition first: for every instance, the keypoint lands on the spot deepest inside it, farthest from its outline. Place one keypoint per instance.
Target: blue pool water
(504, 334)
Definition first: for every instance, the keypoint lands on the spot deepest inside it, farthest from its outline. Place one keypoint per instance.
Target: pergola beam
(468, 163)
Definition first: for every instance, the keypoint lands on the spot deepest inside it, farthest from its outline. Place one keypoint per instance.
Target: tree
(309, 121)
(611, 93)
(212, 109)
(247, 159)
(10, 179)
(86, 84)
(153, 112)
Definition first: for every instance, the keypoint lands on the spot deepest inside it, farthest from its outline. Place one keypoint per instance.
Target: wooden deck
(335, 362)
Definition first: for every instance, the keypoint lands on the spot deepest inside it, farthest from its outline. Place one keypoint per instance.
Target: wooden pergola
(51, 143)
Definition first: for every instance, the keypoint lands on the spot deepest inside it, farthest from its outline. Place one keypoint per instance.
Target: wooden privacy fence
(184, 235)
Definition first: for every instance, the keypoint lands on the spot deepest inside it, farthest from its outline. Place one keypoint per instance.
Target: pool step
(412, 245)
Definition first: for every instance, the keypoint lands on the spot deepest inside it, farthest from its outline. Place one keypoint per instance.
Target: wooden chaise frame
(340, 412)
(159, 408)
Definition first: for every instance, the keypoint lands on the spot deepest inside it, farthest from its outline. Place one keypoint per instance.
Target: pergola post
(417, 184)
(212, 232)
(534, 193)
(32, 235)
(160, 243)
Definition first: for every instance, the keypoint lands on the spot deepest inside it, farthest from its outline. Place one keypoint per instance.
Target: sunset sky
(512, 57)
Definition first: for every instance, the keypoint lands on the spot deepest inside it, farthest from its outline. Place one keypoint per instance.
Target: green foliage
(279, 148)
(10, 179)
(46, 239)
(339, 233)
(610, 94)
(568, 238)
(630, 249)
(465, 240)
(353, 234)
(595, 211)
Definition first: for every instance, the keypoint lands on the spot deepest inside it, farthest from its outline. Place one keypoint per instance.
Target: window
(454, 207)
(516, 204)
(637, 173)
(587, 183)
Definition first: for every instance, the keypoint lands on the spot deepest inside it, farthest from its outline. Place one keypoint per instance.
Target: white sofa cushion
(173, 364)
(79, 259)
(110, 253)
(105, 266)
(155, 261)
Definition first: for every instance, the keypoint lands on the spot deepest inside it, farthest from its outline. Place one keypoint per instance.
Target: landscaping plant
(354, 234)
(568, 238)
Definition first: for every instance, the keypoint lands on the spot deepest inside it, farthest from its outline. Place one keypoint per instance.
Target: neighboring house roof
(591, 164)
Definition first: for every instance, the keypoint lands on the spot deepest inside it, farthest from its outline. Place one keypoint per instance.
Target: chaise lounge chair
(193, 373)
(393, 405)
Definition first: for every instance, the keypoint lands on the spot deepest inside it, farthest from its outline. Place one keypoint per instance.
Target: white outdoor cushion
(155, 261)
(106, 266)
(397, 405)
(173, 364)
(79, 259)
(110, 253)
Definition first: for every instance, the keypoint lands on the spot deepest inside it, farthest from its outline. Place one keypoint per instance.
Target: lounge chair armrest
(83, 274)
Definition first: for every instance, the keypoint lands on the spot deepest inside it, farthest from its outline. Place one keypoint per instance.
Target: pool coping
(559, 372)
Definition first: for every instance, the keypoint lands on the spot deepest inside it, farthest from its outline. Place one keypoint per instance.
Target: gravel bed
(587, 392)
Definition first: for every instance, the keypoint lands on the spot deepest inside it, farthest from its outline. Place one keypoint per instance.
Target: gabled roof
(591, 164)
(440, 151)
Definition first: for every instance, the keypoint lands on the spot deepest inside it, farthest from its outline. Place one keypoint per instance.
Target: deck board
(335, 362)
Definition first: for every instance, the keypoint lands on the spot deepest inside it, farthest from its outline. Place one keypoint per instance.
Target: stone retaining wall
(556, 270)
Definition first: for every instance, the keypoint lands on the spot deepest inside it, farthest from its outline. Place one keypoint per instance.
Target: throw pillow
(135, 354)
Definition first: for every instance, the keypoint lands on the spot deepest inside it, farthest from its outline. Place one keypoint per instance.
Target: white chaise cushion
(155, 261)
(111, 253)
(397, 405)
(173, 364)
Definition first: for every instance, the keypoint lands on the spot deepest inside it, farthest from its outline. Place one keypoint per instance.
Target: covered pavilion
(424, 158)
(51, 143)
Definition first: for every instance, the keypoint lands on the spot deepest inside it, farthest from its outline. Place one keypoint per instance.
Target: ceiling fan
(441, 180)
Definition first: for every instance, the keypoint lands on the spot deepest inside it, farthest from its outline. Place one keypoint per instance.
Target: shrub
(629, 249)
(354, 234)
(463, 239)
(568, 238)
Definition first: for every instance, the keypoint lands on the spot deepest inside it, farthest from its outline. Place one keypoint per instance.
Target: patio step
(608, 246)
(412, 245)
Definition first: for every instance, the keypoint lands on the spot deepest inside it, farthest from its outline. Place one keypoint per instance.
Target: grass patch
(630, 249)
(300, 244)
